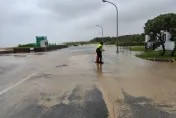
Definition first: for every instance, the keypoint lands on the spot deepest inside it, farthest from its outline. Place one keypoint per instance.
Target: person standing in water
(99, 51)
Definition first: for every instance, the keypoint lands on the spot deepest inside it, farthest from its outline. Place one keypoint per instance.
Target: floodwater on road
(68, 83)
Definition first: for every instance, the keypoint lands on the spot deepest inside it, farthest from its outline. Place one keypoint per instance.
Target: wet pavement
(68, 84)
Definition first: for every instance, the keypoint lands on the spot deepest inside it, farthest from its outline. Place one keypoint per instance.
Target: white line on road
(9, 88)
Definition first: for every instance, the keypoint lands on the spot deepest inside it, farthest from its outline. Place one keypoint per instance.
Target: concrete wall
(21, 50)
(39, 49)
(6, 52)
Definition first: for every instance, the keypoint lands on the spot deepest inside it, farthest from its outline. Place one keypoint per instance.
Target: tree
(154, 26)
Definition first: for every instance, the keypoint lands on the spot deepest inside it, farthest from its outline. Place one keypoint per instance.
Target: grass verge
(138, 48)
(156, 55)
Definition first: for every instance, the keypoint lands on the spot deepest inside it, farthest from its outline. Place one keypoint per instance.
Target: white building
(44, 43)
(169, 45)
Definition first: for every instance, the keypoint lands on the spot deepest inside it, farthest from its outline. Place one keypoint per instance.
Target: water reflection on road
(140, 88)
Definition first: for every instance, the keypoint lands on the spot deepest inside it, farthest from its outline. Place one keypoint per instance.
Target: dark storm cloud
(71, 8)
(73, 20)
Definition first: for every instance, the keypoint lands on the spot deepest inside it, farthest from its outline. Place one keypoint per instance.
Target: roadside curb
(162, 60)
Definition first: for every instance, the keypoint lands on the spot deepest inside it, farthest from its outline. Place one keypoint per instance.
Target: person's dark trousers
(99, 54)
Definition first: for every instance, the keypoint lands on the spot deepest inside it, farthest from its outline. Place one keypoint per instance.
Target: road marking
(9, 88)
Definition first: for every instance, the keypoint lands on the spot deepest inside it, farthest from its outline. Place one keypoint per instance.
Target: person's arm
(101, 48)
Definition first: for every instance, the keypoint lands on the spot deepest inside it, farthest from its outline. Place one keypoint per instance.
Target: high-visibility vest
(100, 46)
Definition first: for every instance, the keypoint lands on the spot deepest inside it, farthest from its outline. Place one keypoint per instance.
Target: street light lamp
(102, 30)
(117, 19)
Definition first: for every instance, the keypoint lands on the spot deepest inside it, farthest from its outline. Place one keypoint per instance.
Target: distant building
(41, 41)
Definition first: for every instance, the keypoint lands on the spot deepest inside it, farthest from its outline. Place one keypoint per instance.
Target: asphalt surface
(68, 84)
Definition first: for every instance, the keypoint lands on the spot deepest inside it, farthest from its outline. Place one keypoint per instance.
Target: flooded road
(68, 84)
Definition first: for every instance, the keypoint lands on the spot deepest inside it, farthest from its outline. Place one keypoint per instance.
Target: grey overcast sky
(74, 20)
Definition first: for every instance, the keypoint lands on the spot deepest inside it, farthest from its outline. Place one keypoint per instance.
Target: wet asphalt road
(59, 84)
(68, 84)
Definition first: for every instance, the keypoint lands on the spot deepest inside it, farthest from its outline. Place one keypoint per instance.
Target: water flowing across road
(68, 83)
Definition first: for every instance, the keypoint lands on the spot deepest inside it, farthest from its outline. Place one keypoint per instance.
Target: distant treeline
(125, 40)
(78, 43)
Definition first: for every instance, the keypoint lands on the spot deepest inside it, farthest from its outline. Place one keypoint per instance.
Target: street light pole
(117, 20)
(102, 30)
